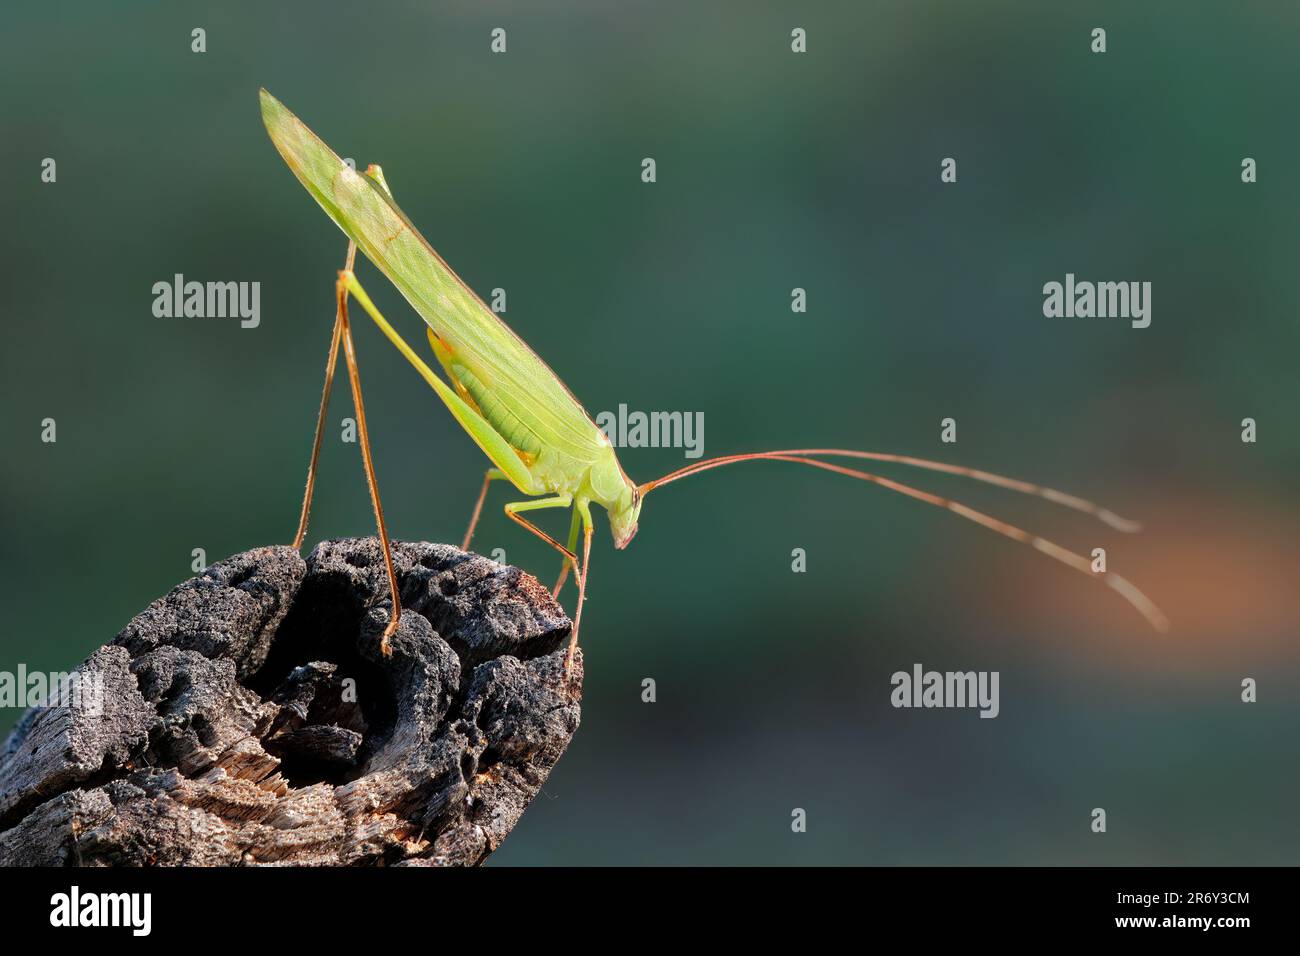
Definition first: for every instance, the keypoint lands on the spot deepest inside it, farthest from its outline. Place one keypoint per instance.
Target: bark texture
(248, 717)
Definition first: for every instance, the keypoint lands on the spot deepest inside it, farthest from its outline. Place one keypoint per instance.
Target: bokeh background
(775, 170)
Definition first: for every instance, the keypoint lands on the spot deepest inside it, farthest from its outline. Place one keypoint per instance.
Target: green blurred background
(775, 170)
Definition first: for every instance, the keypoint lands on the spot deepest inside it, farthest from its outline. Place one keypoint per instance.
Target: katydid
(532, 429)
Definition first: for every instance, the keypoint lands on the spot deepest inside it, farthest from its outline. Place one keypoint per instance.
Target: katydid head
(611, 488)
(623, 515)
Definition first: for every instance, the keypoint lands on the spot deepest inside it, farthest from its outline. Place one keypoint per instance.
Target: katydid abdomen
(506, 422)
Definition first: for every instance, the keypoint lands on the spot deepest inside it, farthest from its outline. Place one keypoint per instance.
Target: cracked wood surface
(248, 718)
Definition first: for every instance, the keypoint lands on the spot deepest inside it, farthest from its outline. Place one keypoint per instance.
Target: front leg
(584, 509)
(581, 512)
(573, 545)
(559, 501)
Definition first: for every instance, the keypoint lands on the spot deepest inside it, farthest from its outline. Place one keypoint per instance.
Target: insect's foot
(385, 647)
(568, 661)
(570, 682)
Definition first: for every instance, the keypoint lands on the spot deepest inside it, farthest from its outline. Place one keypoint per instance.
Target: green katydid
(527, 422)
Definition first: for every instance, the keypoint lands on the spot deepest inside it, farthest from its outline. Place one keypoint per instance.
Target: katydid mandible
(527, 422)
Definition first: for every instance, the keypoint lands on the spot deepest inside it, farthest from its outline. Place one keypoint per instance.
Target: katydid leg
(582, 507)
(573, 546)
(354, 377)
(493, 474)
(331, 363)
(559, 501)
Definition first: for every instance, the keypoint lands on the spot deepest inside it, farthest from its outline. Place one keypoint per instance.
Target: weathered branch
(248, 717)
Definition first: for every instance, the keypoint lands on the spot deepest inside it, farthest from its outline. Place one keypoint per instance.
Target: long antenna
(1144, 605)
(1014, 484)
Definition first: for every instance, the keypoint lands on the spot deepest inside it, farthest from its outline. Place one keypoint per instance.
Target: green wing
(500, 361)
